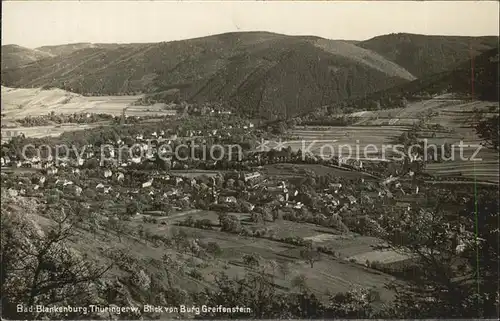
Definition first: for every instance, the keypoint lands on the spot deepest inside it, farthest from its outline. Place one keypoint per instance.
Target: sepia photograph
(249, 160)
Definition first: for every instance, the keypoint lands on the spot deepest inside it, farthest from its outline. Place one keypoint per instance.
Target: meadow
(333, 273)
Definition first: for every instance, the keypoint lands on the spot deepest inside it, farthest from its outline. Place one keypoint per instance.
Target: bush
(195, 274)
(213, 248)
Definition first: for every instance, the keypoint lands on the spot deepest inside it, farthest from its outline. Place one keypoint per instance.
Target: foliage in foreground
(456, 274)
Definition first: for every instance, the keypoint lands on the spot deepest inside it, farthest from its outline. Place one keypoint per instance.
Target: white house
(250, 176)
(336, 187)
(351, 199)
(299, 205)
(52, 171)
(108, 173)
(335, 202)
(147, 184)
(227, 199)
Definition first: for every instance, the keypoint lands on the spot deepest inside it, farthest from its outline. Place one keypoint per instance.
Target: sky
(35, 23)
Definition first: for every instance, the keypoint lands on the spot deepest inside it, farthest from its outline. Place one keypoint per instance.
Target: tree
(455, 272)
(481, 214)
(39, 267)
(284, 268)
(251, 260)
(118, 226)
(229, 223)
(310, 255)
(488, 131)
(180, 238)
(133, 208)
(213, 248)
(356, 303)
(255, 291)
(300, 282)
(256, 217)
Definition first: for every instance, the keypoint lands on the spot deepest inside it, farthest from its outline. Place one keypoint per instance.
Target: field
(332, 274)
(382, 127)
(22, 102)
(297, 170)
(344, 141)
(328, 275)
(44, 131)
(346, 245)
(195, 173)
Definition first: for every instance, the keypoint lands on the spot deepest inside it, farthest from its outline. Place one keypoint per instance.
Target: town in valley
(250, 174)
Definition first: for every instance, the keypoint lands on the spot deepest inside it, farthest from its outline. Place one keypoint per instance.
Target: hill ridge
(257, 73)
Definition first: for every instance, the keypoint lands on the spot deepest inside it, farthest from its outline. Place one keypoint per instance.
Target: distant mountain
(258, 73)
(14, 56)
(67, 49)
(424, 55)
(477, 78)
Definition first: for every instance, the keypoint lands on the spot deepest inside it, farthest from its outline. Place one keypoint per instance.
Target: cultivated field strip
(22, 102)
(454, 115)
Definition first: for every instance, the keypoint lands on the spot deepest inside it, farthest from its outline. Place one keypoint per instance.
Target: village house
(351, 199)
(403, 205)
(108, 173)
(251, 176)
(52, 171)
(147, 184)
(335, 187)
(135, 160)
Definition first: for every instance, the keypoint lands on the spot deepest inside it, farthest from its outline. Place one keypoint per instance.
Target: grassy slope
(329, 274)
(425, 55)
